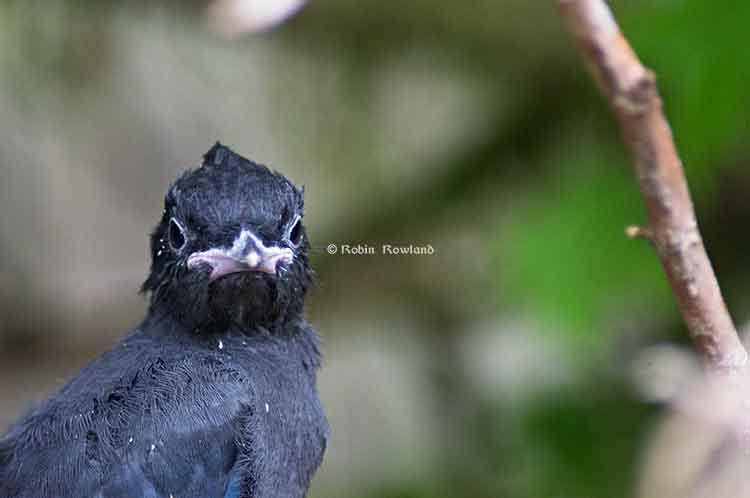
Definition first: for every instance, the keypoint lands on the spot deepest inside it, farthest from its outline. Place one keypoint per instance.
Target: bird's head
(230, 246)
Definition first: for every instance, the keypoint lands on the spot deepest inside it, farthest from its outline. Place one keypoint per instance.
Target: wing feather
(168, 429)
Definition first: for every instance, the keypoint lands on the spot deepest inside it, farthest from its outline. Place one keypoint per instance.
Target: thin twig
(631, 90)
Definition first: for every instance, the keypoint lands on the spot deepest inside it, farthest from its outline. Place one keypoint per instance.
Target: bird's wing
(168, 431)
(233, 487)
(192, 465)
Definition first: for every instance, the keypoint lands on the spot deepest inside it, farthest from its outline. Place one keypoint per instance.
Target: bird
(214, 394)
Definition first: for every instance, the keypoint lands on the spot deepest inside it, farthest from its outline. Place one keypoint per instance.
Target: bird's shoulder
(147, 405)
(145, 369)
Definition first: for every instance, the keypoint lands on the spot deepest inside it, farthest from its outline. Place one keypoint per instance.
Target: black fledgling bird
(214, 394)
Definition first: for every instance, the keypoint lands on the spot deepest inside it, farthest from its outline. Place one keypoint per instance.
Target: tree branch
(632, 93)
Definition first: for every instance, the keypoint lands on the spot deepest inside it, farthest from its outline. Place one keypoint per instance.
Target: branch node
(639, 94)
(639, 232)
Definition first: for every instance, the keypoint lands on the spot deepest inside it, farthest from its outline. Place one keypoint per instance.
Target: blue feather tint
(233, 487)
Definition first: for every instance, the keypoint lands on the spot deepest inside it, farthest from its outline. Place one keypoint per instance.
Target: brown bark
(672, 228)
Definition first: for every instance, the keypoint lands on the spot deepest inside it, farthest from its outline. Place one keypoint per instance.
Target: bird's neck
(211, 325)
(297, 335)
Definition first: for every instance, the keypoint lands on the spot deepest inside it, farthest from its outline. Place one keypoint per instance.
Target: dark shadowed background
(501, 365)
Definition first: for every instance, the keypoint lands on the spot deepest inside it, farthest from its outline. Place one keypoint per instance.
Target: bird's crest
(220, 154)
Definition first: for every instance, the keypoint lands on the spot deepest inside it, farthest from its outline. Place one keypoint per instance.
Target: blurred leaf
(698, 51)
(585, 445)
(564, 254)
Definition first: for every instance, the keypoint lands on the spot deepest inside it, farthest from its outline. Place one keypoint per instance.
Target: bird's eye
(295, 232)
(176, 235)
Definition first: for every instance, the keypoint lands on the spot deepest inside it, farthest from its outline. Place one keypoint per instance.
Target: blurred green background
(501, 365)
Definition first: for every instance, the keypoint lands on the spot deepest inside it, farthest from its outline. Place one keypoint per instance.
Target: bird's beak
(248, 253)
